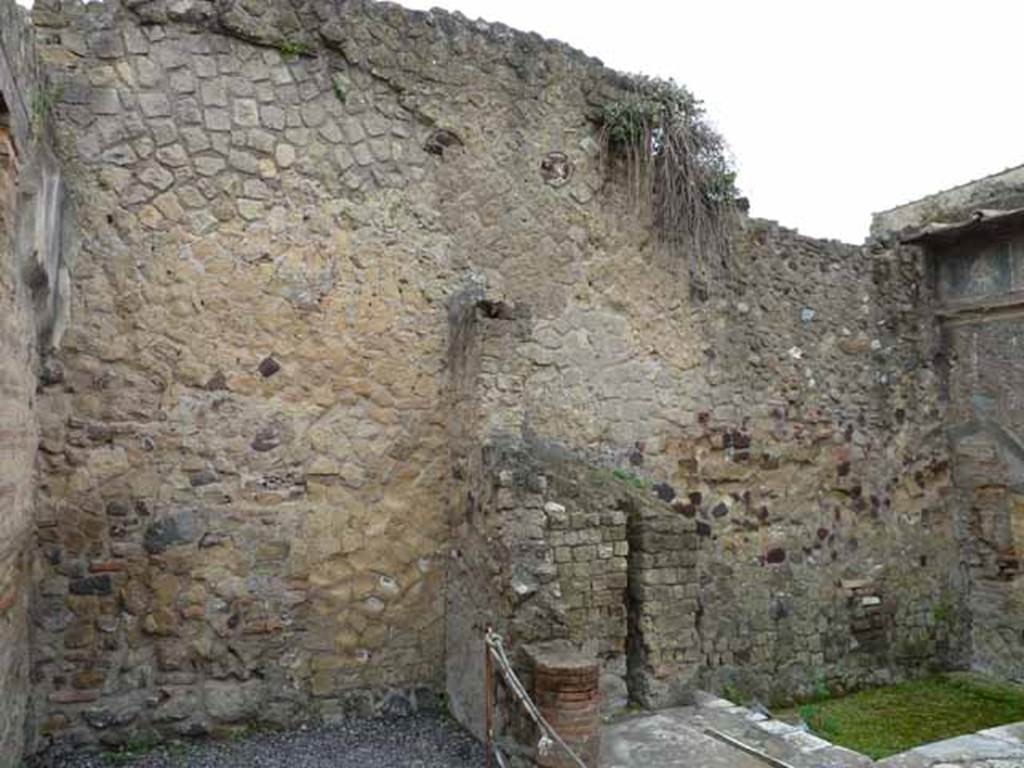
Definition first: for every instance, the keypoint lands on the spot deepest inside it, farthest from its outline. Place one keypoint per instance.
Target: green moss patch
(885, 721)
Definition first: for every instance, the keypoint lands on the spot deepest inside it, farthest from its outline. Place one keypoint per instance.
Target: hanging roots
(677, 164)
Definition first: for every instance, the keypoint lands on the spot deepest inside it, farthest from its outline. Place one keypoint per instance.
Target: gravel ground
(419, 741)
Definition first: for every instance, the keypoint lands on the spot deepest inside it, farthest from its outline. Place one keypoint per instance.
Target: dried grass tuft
(676, 164)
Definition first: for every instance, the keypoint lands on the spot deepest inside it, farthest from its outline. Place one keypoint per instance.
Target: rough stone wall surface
(244, 512)
(348, 378)
(818, 474)
(555, 548)
(803, 449)
(31, 199)
(550, 542)
(18, 439)
(20, 73)
(975, 279)
(795, 420)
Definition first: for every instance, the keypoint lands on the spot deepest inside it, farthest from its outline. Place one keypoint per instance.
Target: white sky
(833, 108)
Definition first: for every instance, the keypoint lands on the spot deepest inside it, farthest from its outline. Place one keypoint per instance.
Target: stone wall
(802, 448)
(245, 511)
(819, 475)
(351, 377)
(18, 437)
(975, 270)
(33, 280)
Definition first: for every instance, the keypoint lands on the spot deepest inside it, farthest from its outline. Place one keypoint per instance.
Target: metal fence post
(489, 701)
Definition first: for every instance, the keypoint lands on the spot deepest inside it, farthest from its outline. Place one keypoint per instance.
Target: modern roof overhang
(982, 222)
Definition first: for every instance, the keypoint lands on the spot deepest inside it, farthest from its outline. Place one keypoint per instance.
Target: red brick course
(565, 689)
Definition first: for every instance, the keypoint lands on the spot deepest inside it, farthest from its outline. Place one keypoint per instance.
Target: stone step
(667, 739)
(783, 742)
(716, 732)
(1001, 747)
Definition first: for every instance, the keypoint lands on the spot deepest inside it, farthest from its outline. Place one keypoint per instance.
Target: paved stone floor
(704, 735)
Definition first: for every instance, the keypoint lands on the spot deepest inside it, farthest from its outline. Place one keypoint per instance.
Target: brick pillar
(664, 649)
(565, 689)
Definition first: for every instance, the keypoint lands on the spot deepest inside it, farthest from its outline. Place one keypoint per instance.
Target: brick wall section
(664, 653)
(544, 559)
(590, 553)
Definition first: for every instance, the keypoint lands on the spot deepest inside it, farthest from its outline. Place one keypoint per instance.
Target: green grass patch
(879, 722)
(628, 477)
(127, 754)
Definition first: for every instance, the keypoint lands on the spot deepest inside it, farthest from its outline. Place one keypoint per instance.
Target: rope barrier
(549, 736)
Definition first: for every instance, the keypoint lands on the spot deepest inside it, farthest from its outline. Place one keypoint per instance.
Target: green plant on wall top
(676, 162)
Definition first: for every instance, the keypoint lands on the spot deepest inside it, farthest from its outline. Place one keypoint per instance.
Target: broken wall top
(400, 46)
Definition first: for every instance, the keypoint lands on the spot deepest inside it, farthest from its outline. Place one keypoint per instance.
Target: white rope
(548, 734)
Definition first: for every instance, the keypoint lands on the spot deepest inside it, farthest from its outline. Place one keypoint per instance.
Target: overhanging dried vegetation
(676, 164)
